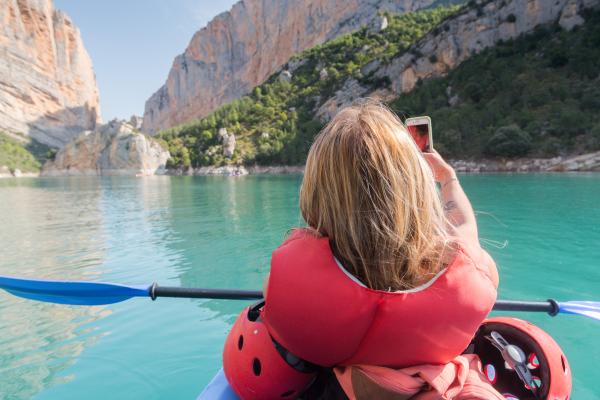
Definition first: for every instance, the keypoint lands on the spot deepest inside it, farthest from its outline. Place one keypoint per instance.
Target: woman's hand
(442, 171)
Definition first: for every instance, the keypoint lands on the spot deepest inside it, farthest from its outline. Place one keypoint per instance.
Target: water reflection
(50, 229)
(78, 229)
(237, 222)
(188, 231)
(135, 215)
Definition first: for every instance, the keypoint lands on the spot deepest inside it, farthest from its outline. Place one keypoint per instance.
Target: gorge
(241, 48)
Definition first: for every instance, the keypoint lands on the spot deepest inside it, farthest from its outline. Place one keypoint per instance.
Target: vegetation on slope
(538, 95)
(26, 157)
(275, 124)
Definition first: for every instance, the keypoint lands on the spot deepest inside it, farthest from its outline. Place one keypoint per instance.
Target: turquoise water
(543, 230)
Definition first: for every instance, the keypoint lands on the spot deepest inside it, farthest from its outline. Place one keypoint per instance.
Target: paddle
(97, 293)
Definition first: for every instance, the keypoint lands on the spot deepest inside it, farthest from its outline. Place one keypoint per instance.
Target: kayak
(218, 389)
(520, 360)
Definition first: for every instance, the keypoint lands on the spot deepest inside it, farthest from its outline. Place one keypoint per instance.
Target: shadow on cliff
(54, 130)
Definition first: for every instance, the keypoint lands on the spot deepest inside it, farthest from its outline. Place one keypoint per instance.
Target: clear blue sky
(133, 42)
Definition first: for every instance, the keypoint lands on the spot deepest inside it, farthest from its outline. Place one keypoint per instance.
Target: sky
(133, 43)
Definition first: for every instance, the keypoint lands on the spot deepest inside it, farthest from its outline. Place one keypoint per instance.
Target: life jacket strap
(291, 359)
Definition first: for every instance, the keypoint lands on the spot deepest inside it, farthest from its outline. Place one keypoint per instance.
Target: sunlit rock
(113, 149)
(47, 84)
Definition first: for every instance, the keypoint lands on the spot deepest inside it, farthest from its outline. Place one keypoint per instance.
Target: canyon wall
(241, 48)
(465, 34)
(475, 29)
(47, 83)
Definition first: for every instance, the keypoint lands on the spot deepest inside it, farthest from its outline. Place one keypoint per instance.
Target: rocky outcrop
(285, 76)
(473, 30)
(47, 84)
(114, 149)
(350, 91)
(227, 141)
(240, 49)
(136, 122)
(227, 170)
(276, 169)
(377, 24)
(584, 162)
(455, 40)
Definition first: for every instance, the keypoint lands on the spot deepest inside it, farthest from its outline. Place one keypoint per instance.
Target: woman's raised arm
(457, 207)
(459, 212)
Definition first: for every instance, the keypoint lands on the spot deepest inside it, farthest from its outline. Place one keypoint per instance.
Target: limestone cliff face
(241, 48)
(47, 84)
(454, 41)
(113, 149)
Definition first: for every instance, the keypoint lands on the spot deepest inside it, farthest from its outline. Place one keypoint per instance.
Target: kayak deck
(218, 389)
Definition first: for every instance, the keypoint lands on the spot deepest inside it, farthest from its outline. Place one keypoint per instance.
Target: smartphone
(420, 130)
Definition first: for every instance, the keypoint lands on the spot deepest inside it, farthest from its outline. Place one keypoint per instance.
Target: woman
(389, 271)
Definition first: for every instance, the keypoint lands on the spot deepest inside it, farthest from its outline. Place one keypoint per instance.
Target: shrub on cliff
(180, 156)
(508, 141)
(21, 155)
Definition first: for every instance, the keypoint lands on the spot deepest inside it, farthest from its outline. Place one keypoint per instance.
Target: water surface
(543, 231)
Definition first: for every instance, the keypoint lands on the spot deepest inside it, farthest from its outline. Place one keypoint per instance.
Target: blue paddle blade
(590, 309)
(72, 292)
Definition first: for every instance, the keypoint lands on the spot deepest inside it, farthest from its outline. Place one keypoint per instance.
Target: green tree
(509, 141)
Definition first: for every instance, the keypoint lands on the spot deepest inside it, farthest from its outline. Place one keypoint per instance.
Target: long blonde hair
(367, 188)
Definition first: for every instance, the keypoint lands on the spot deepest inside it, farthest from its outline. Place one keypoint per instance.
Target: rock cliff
(113, 149)
(467, 33)
(474, 30)
(241, 48)
(47, 84)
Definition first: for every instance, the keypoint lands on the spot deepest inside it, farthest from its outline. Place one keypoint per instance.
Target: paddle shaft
(550, 306)
(198, 293)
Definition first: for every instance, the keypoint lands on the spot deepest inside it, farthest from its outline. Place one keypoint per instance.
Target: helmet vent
(564, 363)
(240, 342)
(288, 393)
(256, 367)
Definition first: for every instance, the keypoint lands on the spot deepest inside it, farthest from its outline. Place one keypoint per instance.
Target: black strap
(295, 362)
(254, 311)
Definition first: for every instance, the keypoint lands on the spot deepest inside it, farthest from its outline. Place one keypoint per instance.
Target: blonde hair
(367, 188)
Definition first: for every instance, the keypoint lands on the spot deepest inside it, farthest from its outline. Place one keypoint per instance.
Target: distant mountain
(241, 48)
(47, 84)
(514, 73)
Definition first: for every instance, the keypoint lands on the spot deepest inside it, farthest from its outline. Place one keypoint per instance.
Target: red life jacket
(320, 313)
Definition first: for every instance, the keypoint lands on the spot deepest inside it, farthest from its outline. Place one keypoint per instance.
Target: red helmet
(257, 367)
(544, 359)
